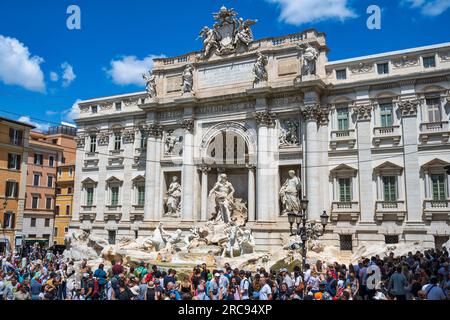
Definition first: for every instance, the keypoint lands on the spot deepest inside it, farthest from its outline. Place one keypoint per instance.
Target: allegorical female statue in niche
(289, 193)
(173, 198)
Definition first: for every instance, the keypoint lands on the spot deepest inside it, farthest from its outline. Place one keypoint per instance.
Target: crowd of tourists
(38, 274)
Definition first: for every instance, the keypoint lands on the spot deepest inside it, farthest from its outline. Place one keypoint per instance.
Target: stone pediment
(139, 178)
(113, 179)
(435, 163)
(88, 181)
(388, 166)
(343, 168)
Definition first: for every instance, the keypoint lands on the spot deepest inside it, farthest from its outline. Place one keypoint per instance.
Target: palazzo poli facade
(368, 137)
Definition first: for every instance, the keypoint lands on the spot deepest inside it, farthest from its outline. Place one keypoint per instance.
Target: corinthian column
(154, 131)
(408, 110)
(310, 114)
(364, 116)
(188, 175)
(264, 173)
(204, 204)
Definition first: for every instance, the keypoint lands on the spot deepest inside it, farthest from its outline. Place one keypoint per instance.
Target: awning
(38, 240)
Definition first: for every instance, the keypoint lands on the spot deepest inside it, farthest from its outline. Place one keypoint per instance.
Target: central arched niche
(229, 147)
(229, 144)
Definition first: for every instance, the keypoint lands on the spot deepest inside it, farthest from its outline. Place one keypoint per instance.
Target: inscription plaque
(225, 74)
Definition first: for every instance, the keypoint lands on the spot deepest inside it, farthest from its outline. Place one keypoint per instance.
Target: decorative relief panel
(289, 135)
(362, 68)
(405, 62)
(173, 142)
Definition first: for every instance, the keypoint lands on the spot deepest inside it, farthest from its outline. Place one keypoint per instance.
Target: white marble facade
(371, 147)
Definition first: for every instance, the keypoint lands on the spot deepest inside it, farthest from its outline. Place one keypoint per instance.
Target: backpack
(151, 294)
(96, 287)
(250, 288)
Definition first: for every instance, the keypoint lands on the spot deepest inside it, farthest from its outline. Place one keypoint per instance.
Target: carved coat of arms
(228, 35)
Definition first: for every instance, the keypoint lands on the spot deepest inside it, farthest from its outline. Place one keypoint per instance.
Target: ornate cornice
(363, 112)
(361, 68)
(265, 118)
(408, 108)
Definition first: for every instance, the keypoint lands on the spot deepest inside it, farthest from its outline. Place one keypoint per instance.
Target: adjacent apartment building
(44, 158)
(14, 137)
(63, 136)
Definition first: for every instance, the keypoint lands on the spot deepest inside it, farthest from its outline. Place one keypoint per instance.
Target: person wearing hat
(286, 278)
(22, 293)
(213, 288)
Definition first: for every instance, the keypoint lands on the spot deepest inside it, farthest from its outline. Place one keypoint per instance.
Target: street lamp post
(306, 230)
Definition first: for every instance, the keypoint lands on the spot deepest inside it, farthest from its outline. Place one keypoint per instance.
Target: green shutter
(90, 197)
(141, 196)
(114, 196)
(344, 190)
(342, 116)
(438, 181)
(390, 189)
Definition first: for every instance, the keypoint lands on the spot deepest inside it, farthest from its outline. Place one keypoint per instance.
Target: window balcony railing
(88, 208)
(113, 207)
(113, 216)
(343, 134)
(345, 210)
(391, 134)
(87, 216)
(343, 137)
(434, 132)
(137, 216)
(390, 210)
(434, 126)
(436, 209)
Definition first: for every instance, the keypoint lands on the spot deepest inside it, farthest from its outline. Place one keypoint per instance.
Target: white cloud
(68, 75)
(67, 115)
(51, 112)
(72, 113)
(129, 69)
(18, 67)
(40, 126)
(299, 12)
(54, 76)
(429, 7)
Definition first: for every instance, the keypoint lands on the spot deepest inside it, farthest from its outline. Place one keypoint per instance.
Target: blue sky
(45, 67)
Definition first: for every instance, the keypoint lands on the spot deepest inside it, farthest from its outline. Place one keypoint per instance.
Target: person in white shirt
(266, 292)
(433, 291)
(286, 278)
(307, 273)
(244, 285)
